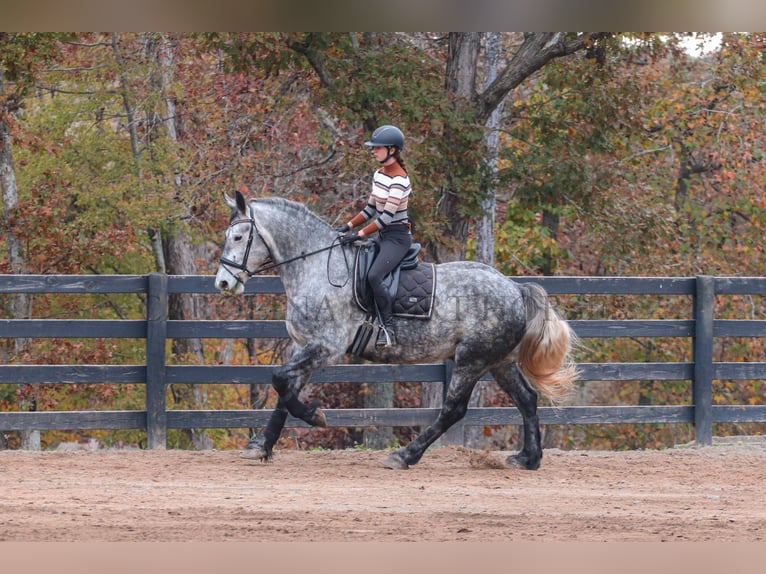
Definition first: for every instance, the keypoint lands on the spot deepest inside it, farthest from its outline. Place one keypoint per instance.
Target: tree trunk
(551, 222)
(126, 102)
(485, 228)
(460, 79)
(21, 304)
(179, 258)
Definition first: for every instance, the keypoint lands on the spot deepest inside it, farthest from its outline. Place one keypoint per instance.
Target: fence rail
(156, 374)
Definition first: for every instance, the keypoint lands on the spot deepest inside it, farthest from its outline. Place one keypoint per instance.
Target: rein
(272, 265)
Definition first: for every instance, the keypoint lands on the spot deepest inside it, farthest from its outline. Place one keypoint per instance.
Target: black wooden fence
(156, 329)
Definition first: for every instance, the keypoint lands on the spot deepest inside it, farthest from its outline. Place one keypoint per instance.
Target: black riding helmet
(388, 137)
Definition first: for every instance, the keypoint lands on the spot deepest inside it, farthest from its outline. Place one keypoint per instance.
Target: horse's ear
(241, 203)
(230, 201)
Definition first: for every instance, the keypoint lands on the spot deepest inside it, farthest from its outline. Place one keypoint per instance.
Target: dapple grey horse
(481, 320)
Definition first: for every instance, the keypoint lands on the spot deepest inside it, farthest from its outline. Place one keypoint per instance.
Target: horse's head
(244, 250)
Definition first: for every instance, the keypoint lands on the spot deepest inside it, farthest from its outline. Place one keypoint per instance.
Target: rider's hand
(343, 228)
(350, 238)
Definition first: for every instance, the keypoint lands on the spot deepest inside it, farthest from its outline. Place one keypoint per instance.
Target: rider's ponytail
(398, 157)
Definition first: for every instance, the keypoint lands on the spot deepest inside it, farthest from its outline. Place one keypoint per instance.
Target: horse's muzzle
(229, 284)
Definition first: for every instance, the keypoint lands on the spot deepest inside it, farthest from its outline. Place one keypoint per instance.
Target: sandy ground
(685, 494)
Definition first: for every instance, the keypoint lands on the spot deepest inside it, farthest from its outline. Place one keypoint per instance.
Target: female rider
(385, 214)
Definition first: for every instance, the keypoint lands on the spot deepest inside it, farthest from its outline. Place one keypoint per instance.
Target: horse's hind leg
(455, 406)
(510, 379)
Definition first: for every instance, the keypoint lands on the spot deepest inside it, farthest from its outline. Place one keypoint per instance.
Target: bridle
(227, 263)
(269, 263)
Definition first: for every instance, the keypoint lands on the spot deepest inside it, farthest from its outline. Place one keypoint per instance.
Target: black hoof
(395, 461)
(522, 461)
(256, 450)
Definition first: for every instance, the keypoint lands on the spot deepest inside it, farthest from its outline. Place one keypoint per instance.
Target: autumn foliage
(630, 157)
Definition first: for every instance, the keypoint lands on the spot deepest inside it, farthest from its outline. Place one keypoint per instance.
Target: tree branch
(314, 58)
(537, 49)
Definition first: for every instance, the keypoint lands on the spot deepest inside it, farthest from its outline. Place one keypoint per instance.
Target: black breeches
(394, 242)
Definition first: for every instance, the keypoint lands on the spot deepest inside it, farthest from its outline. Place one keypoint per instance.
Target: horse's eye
(237, 238)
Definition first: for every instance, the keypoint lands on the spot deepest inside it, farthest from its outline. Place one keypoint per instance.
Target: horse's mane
(298, 210)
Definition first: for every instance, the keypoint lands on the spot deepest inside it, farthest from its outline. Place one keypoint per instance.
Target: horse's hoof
(256, 450)
(394, 461)
(521, 462)
(319, 420)
(255, 454)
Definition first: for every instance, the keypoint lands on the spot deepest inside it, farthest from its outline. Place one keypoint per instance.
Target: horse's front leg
(293, 376)
(262, 446)
(289, 378)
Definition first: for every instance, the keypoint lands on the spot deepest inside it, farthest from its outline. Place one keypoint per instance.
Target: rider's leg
(394, 243)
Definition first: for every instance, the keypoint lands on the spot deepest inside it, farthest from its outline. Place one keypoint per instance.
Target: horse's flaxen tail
(545, 349)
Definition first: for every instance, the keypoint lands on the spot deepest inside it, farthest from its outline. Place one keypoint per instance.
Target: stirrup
(386, 337)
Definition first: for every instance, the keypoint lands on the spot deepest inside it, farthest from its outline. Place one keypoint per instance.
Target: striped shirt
(387, 204)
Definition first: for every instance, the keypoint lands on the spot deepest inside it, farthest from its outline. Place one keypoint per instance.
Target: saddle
(411, 283)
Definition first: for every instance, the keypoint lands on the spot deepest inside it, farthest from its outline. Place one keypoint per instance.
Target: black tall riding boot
(385, 305)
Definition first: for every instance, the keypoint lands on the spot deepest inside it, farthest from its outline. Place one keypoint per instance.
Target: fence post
(456, 433)
(156, 335)
(702, 385)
